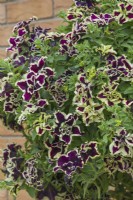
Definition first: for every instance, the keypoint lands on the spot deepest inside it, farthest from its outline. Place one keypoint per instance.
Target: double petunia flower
(75, 159)
(65, 129)
(35, 79)
(122, 143)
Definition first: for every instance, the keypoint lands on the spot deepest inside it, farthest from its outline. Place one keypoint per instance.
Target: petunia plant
(70, 93)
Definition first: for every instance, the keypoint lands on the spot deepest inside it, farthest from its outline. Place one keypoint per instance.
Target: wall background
(12, 11)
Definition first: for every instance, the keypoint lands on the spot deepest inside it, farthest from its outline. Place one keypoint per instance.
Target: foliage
(70, 93)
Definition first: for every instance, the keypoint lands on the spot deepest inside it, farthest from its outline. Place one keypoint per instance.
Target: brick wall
(12, 11)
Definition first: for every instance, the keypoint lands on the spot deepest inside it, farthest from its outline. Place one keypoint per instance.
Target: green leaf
(34, 134)
(85, 189)
(31, 191)
(129, 90)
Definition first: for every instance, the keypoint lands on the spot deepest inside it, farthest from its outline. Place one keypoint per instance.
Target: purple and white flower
(32, 174)
(18, 60)
(63, 132)
(69, 163)
(119, 68)
(31, 85)
(22, 24)
(11, 102)
(84, 3)
(66, 126)
(31, 108)
(68, 42)
(100, 20)
(36, 67)
(22, 43)
(35, 79)
(76, 159)
(8, 94)
(89, 151)
(83, 90)
(74, 13)
(124, 14)
(12, 163)
(118, 163)
(85, 106)
(90, 112)
(56, 88)
(109, 95)
(20, 30)
(122, 143)
(42, 125)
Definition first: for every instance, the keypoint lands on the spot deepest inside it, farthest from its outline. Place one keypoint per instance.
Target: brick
(4, 141)
(2, 13)
(4, 131)
(3, 53)
(22, 195)
(59, 5)
(2, 177)
(3, 1)
(22, 10)
(51, 23)
(5, 33)
(3, 195)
